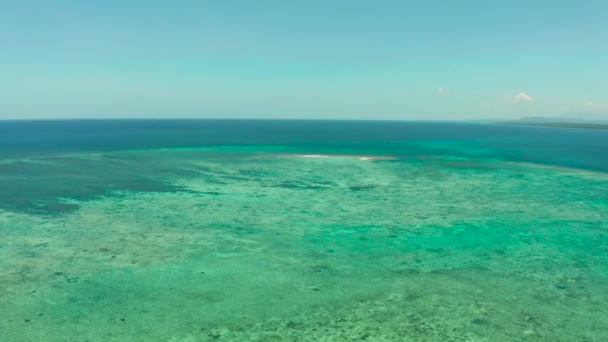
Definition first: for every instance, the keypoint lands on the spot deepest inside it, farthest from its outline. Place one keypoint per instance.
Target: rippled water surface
(289, 231)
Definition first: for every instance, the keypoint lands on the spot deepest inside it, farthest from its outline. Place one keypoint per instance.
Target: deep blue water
(581, 148)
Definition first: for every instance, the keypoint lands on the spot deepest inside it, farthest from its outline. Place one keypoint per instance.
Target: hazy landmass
(577, 120)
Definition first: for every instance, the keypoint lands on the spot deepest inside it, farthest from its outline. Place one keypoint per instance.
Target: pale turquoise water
(454, 239)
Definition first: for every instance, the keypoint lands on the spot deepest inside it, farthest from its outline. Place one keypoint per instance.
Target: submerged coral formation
(235, 244)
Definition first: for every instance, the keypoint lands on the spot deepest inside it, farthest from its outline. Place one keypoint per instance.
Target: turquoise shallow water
(435, 238)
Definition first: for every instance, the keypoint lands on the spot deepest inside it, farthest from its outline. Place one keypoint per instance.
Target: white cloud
(442, 90)
(595, 105)
(522, 97)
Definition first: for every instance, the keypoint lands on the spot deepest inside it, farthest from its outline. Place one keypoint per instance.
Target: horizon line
(245, 119)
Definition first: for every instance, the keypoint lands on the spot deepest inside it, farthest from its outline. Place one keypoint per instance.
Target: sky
(357, 59)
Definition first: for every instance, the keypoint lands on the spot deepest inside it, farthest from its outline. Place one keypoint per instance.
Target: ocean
(270, 230)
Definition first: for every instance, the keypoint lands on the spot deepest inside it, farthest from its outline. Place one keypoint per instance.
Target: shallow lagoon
(254, 242)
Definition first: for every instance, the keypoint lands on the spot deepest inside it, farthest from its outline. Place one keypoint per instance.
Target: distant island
(566, 121)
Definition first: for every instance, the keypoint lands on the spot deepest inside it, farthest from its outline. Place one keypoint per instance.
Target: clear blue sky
(403, 59)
